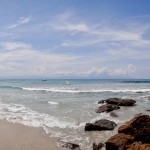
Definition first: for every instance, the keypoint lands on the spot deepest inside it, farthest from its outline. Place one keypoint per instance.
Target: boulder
(119, 142)
(139, 127)
(138, 146)
(70, 146)
(102, 124)
(120, 102)
(134, 135)
(113, 114)
(107, 108)
(97, 146)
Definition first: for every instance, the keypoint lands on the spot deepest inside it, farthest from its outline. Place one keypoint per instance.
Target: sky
(75, 39)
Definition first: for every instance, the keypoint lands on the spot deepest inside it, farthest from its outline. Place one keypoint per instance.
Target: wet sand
(15, 136)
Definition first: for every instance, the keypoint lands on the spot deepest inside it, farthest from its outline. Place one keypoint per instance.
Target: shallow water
(63, 107)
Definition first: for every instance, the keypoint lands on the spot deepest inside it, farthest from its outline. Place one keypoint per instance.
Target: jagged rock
(138, 146)
(119, 142)
(134, 135)
(120, 102)
(70, 146)
(101, 101)
(107, 108)
(113, 114)
(97, 146)
(139, 127)
(99, 125)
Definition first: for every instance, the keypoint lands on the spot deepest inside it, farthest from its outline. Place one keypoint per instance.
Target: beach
(15, 136)
(41, 112)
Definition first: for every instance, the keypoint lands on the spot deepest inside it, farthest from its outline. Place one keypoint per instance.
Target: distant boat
(44, 80)
(67, 82)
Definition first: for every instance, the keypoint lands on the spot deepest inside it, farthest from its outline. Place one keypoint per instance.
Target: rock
(102, 124)
(97, 147)
(139, 127)
(148, 110)
(101, 101)
(134, 135)
(119, 142)
(113, 114)
(70, 146)
(138, 146)
(107, 108)
(120, 102)
(139, 92)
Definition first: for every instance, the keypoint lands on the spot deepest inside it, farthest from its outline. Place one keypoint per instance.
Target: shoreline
(20, 137)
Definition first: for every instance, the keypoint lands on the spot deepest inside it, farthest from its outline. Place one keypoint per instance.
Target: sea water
(63, 107)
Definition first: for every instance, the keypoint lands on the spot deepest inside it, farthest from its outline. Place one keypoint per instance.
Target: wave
(18, 113)
(10, 87)
(57, 90)
(52, 103)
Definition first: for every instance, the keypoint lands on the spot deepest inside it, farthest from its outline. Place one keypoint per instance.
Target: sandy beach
(19, 137)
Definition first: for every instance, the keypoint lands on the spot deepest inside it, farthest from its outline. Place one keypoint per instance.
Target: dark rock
(70, 146)
(97, 147)
(139, 92)
(119, 142)
(101, 101)
(107, 108)
(99, 125)
(120, 102)
(148, 110)
(113, 114)
(138, 146)
(134, 135)
(139, 127)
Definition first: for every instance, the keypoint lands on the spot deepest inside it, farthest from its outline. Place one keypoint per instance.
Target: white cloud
(21, 59)
(128, 71)
(21, 21)
(14, 45)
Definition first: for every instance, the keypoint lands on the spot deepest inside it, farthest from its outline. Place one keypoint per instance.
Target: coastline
(19, 137)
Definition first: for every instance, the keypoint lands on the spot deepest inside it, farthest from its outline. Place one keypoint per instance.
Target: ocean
(63, 107)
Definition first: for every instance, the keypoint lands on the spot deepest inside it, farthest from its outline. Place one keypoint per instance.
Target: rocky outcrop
(99, 125)
(107, 108)
(70, 146)
(119, 142)
(138, 146)
(120, 102)
(113, 104)
(139, 127)
(134, 135)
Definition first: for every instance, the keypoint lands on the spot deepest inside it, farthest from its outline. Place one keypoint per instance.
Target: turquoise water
(62, 107)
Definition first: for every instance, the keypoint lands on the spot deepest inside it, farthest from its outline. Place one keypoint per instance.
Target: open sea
(63, 107)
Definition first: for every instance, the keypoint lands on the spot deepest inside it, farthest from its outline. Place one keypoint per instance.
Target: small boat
(44, 80)
(67, 82)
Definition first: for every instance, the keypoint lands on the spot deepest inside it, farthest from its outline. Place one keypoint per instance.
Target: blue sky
(74, 39)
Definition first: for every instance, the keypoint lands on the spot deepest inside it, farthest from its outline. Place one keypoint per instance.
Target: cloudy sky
(74, 39)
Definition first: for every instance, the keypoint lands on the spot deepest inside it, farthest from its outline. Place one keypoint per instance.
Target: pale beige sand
(20, 137)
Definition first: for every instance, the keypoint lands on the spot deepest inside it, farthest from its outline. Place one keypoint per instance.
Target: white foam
(20, 114)
(52, 103)
(73, 90)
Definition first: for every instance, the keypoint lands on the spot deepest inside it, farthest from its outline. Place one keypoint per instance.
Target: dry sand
(20, 137)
